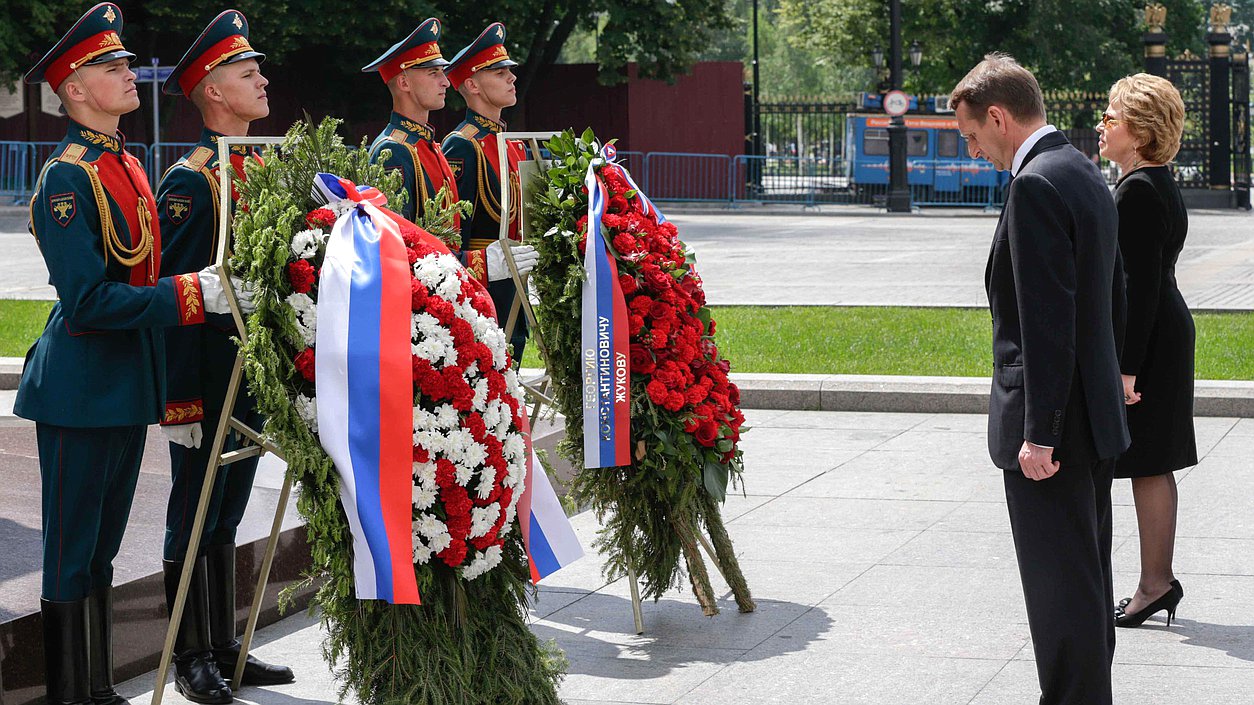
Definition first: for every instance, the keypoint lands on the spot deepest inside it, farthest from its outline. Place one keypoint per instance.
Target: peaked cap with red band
(95, 39)
(486, 52)
(418, 50)
(223, 42)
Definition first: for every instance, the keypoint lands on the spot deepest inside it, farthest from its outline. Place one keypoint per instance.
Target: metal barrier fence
(665, 176)
(21, 162)
(674, 176)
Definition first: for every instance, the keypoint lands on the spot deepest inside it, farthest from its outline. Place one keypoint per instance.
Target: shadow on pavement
(598, 635)
(1236, 640)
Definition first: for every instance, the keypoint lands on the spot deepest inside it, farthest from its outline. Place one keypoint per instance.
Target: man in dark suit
(1056, 417)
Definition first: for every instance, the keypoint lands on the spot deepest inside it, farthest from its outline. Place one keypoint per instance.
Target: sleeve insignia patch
(178, 208)
(63, 208)
(456, 165)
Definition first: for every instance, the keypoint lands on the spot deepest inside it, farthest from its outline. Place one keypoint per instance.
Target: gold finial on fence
(1220, 17)
(1155, 17)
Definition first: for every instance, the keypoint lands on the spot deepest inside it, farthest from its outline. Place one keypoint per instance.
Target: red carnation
(417, 295)
(454, 554)
(421, 455)
(320, 218)
(628, 283)
(302, 276)
(305, 363)
(640, 305)
(674, 401)
(657, 392)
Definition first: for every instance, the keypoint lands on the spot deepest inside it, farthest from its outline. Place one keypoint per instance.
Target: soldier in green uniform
(482, 73)
(221, 75)
(95, 377)
(413, 70)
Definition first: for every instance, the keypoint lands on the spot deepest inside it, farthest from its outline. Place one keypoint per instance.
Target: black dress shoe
(1169, 601)
(256, 672)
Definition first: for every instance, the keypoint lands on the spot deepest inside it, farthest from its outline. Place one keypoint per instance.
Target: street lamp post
(898, 189)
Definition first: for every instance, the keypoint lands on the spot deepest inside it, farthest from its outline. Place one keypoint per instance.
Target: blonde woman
(1140, 131)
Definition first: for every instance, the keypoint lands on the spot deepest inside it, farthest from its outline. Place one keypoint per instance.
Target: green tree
(323, 43)
(1069, 44)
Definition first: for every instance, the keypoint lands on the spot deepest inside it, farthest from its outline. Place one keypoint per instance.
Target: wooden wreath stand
(255, 444)
(538, 387)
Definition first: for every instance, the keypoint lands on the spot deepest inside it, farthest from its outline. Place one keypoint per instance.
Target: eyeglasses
(1107, 120)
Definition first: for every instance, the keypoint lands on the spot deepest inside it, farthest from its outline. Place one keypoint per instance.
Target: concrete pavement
(878, 549)
(857, 257)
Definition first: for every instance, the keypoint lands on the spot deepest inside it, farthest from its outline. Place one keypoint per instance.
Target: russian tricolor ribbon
(365, 387)
(548, 537)
(606, 361)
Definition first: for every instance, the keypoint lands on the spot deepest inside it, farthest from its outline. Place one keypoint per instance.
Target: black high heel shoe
(1169, 601)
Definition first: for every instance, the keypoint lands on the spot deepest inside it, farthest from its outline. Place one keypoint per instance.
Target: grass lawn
(834, 340)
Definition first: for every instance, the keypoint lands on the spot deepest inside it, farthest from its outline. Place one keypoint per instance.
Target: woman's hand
(1130, 395)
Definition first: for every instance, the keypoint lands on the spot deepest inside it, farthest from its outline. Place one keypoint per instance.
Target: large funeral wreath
(685, 420)
(468, 643)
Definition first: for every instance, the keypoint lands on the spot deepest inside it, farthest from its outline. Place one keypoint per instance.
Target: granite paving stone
(886, 578)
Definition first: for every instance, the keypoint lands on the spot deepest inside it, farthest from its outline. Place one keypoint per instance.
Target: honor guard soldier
(413, 70)
(482, 74)
(94, 380)
(221, 75)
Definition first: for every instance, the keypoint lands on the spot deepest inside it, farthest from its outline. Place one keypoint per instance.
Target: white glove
(525, 258)
(215, 297)
(187, 435)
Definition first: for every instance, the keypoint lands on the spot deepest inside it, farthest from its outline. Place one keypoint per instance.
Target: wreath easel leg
(697, 574)
(725, 555)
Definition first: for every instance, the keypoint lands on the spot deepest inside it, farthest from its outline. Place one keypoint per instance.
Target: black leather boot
(196, 675)
(100, 647)
(65, 652)
(220, 565)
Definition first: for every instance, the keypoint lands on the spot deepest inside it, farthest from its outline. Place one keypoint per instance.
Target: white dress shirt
(1027, 146)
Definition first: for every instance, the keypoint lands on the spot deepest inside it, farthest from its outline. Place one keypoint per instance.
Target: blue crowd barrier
(678, 176)
(15, 176)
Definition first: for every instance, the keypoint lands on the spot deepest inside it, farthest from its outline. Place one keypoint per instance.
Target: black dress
(1158, 344)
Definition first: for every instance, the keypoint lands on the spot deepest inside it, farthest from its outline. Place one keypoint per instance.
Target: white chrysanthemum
(456, 443)
(306, 316)
(487, 480)
(422, 553)
(480, 401)
(513, 447)
(482, 519)
(307, 409)
(433, 442)
(492, 416)
(464, 474)
(305, 243)
(428, 271)
(482, 563)
(423, 496)
(424, 474)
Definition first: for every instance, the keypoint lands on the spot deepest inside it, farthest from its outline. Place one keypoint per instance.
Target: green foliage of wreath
(468, 643)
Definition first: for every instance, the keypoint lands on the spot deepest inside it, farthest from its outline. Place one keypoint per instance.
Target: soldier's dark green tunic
(95, 378)
(411, 149)
(473, 155)
(200, 358)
